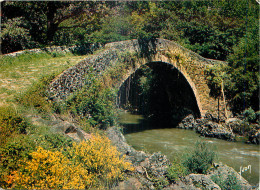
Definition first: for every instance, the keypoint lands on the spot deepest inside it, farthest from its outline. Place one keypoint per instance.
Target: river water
(147, 136)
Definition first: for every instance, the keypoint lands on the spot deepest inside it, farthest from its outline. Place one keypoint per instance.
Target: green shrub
(200, 159)
(11, 123)
(57, 54)
(250, 115)
(11, 155)
(161, 182)
(229, 183)
(16, 150)
(175, 171)
(94, 103)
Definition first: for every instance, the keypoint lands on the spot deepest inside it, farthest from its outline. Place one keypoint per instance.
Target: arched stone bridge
(119, 60)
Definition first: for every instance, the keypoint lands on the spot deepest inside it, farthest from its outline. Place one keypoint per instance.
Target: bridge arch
(172, 91)
(124, 58)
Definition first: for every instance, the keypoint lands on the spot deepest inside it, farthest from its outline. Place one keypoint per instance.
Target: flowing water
(144, 135)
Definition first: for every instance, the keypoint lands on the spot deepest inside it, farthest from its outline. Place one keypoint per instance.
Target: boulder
(183, 184)
(187, 123)
(203, 181)
(130, 184)
(212, 129)
(223, 172)
(235, 124)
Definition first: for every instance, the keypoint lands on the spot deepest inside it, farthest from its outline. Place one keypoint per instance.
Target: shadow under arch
(171, 95)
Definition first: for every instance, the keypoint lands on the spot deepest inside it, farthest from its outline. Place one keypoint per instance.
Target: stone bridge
(182, 69)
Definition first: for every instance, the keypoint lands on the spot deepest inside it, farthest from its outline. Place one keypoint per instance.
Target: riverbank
(227, 130)
(151, 170)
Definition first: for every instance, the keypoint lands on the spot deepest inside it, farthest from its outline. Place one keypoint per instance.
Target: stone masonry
(190, 64)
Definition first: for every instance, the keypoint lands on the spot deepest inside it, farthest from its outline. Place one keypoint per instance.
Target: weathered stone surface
(211, 129)
(130, 184)
(59, 125)
(203, 181)
(187, 123)
(235, 124)
(223, 171)
(151, 167)
(59, 49)
(243, 128)
(208, 128)
(184, 184)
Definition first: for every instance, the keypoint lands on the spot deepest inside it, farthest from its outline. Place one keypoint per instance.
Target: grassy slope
(18, 73)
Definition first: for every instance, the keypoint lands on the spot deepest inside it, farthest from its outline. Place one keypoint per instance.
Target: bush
(11, 123)
(175, 171)
(95, 103)
(250, 115)
(15, 150)
(11, 155)
(15, 36)
(200, 158)
(51, 170)
(93, 163)
(228, 183)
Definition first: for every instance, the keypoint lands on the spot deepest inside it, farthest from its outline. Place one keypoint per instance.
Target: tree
(243, 85)
(14, 36)
(216, 76)
(42, 19)
(58, 11)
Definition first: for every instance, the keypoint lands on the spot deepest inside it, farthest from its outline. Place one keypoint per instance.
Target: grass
(19, 73)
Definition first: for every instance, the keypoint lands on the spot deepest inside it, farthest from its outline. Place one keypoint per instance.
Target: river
(147, 136)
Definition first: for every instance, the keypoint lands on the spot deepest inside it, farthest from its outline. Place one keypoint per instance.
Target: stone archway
(170, 95)
(127, 55)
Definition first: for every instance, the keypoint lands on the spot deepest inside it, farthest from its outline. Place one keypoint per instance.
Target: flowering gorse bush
(84, 165)
(49, 169)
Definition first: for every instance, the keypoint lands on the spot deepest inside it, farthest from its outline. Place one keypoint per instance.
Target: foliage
(94, 103)
(160, 182)
(240, 77)
(43, 20)
(15, 36)
(11, 124)
(51, 170)
(250, 115)
(243, 84)
(210, 28)
(17, 148)
(100, 158)
(200, 159)
(216, 77)
(84, 165)
(116, 29)
(176, 170)
(230, 182)
(11, 154)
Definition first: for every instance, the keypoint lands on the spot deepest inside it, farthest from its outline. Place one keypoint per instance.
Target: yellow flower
(88, 163)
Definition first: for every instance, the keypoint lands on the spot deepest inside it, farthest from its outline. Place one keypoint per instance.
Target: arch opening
(161, 93)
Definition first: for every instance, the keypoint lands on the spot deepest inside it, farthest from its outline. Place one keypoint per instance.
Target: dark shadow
(147, 47)
(161, 93)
